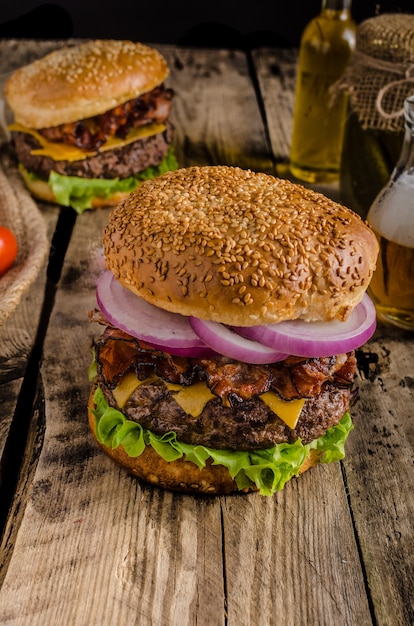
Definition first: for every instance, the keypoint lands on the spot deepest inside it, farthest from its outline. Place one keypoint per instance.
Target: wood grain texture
(88, 544)
(378, 465)
(276, 72)
(299, 550)
(9, 392)
(19, 417)
(380, 474)
(215, 110)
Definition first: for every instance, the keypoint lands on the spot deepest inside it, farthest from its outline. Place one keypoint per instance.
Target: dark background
(222, 23)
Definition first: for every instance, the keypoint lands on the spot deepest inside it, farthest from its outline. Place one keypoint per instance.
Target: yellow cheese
(288, 411)
(173, 386)
(65, 152)
(126, 387)
(193, 398)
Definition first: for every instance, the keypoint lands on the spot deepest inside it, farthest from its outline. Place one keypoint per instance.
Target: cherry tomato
(8, 249)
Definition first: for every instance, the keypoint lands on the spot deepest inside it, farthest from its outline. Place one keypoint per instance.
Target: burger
(91, 121)
(231, 303)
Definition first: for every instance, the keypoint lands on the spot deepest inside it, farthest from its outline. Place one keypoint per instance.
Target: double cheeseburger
(232, 304)
(91, 121)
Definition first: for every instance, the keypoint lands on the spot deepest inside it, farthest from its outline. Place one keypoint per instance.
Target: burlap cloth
(20, 213)
(22, 216)
(380, 74)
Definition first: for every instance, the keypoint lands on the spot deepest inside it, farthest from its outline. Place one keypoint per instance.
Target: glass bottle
(377, 81)
(392, 219)
(319, 121)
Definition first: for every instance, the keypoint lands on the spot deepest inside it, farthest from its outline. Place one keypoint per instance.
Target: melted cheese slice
(193, 398)
(65, 152)
(126, 387)
(287, 411)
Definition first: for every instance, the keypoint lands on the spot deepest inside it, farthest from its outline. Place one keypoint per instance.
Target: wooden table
(85, 544)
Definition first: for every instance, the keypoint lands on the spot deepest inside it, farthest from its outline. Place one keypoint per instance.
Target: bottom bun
(41, 190)
(180, 475)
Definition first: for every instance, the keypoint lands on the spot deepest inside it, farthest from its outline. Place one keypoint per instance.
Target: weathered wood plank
(98, 547)
(16, 52)
(380, 473)
(215, 110)
(294, 560)
(18, 336)
(9, 391)
(17, 341)
(160, 554)
(276, 73)
(107, 550)
(17, 493)
(378, 464)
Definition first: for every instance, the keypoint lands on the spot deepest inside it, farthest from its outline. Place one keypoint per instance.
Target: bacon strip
(93, 132)
(117, 353)
(232, 381)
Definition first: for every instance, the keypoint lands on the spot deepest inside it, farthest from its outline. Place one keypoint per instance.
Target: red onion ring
(318, 339)
(193, 337)
(224, 340)
(166, 331)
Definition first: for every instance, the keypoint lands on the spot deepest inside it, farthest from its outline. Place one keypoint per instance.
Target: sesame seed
(252, 238)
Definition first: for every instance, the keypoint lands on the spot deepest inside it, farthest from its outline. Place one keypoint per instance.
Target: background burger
(91, 121)
(232, 303)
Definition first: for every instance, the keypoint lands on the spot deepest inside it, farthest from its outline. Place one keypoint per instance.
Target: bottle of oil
(319, 120)
(392, 219)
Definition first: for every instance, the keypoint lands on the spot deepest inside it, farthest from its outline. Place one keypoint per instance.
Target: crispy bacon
(232, 381)
(92, 133)
(297, 377)
(117, 353)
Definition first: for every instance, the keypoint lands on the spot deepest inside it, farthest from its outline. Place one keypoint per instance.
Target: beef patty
(120, 162)
(246, 425)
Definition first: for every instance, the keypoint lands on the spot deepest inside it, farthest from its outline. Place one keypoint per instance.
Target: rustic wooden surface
(83, 543)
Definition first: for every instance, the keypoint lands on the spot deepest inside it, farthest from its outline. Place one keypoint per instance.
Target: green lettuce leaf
(78, 193)
(332, 444)
(93, 367)
(268, 469)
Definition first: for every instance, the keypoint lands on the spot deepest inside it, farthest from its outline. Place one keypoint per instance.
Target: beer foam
(392, 213)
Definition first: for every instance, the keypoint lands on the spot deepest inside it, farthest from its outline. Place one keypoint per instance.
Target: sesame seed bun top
(239, 247)
(82, 81)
